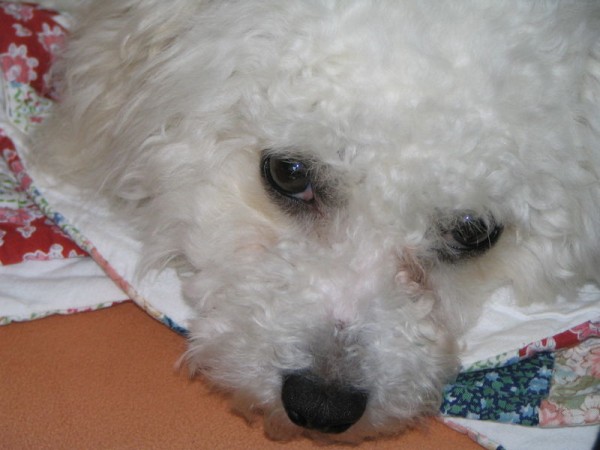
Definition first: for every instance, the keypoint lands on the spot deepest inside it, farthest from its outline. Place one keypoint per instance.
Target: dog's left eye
(289, 177)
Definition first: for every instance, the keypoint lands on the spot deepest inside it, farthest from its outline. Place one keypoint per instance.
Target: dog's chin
(278, 427)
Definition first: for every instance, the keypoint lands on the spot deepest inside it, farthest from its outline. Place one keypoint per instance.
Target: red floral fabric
(30, 38)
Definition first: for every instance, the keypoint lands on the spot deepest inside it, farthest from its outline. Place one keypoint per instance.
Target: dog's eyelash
(468, 235)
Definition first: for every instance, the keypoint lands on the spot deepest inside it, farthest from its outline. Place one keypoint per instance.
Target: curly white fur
(413, 112)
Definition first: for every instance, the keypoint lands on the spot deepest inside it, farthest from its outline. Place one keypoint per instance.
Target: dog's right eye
(289, 177)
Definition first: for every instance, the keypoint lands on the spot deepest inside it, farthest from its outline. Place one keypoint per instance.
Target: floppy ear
(115, 48)
(591, 95)
(589, 124)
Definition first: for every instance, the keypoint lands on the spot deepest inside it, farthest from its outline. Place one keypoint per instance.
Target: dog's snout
(314, 403)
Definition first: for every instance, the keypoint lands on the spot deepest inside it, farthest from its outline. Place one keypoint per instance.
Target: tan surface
(106, 379)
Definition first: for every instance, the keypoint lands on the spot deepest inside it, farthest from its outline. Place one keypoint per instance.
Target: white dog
(341, 183)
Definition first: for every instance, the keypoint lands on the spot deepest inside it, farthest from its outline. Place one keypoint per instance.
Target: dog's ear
(590, 95)
(590, 137)
(99, 126)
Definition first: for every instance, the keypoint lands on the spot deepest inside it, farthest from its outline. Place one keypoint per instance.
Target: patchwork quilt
(535, 368)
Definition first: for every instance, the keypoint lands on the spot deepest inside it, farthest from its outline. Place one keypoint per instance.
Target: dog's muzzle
(314, 403)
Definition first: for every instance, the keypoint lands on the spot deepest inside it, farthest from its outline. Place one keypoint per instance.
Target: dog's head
(347, 182)
(384, 172)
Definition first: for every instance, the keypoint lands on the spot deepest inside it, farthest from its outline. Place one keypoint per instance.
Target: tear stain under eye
(411, 274)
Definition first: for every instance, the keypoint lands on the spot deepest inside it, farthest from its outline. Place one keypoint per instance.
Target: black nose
(313, 403)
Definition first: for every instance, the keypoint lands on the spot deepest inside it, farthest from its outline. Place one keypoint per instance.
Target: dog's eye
(469, 235)
(289, 177)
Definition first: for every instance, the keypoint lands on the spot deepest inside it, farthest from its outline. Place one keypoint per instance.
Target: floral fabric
(549, 383)
(574, 398)
(29, 38)
(509, 394)
(568, 338)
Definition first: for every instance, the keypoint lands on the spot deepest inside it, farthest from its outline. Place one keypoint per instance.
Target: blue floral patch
(509, 394)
